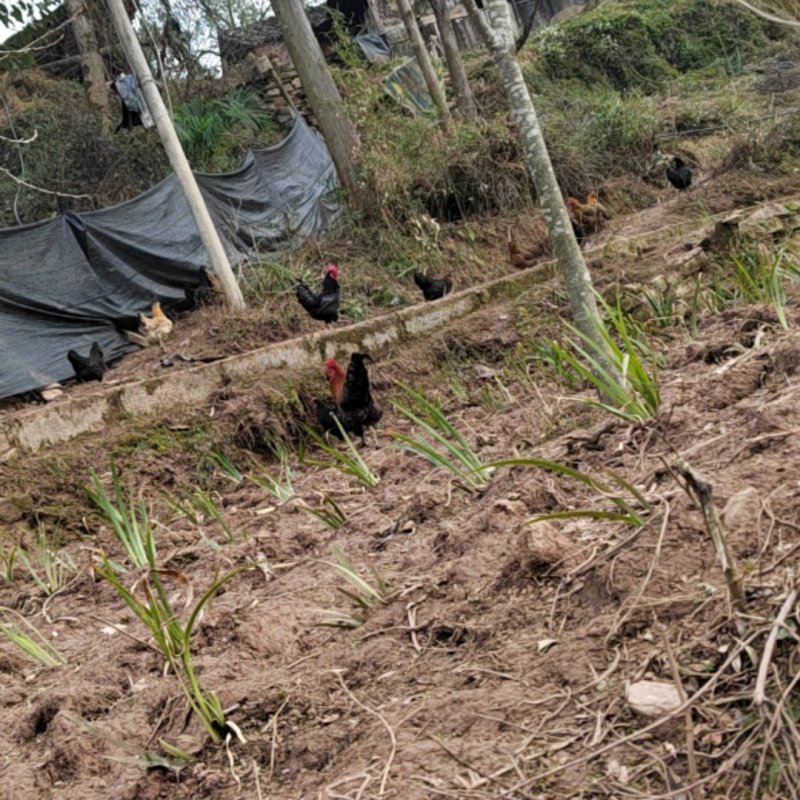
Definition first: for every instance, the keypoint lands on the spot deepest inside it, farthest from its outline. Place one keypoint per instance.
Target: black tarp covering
(79, 278)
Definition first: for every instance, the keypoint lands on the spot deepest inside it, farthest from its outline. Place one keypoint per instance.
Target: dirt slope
(497, 665)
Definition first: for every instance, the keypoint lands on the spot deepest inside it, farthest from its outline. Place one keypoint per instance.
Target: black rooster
(325, 305)
(433, 288)
(679, 175)
(355, 408)
(88, 368)
(206, 291)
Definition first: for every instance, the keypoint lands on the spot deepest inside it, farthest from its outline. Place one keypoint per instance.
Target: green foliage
(363, 593)
(629, 387)
(647, 42)
(50, 571)
(440, 442)
(348, 463)
(209, 129)
(760, 274)
(28, 639)
(624, 508)
(152, 603)
(128, 517)
(328, 512)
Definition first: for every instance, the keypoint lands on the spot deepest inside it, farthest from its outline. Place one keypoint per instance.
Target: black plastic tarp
(79, 278)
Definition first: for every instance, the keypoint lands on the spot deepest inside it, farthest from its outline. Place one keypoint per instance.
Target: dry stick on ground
(736, 651)
(386, 725)
(759, 694)
(254, 767)
(702, 491)
(676, 677)
(274, 742)
(624, 616)
(770, 732)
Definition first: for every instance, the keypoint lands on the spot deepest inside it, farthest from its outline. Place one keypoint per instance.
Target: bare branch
(21, 182)
(21, 141)
(771, 17)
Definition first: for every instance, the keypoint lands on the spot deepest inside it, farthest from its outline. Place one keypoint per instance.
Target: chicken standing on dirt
(678, 174)
(323, 306)
(589, 215)
(88, 368)
(207, 290)
(355, 408)
(522, 259)
(154, 328)
(433, 288)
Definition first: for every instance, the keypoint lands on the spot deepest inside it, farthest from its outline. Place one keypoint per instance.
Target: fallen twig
(759, 693)
(386, 725)
(676, 677)
(702, 490)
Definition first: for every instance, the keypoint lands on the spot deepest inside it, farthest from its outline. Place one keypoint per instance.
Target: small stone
(652, 698)
(742, 509)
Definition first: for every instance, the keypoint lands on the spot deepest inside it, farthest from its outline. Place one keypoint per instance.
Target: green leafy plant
(349, 462)
(760, 274)
(624, 508)
(206, 127)
(226, 466)
(128, 517)
(328, 512)
(150, 601)
(8, 558)
(363, 593)
(30, 641)
(628, 387)
(200, 506)
(440, 442)
(50, 570)
(551, 355)
(280, 485)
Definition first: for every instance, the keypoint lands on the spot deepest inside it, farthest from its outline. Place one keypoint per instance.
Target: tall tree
(455, 64)
(177, 158)
(92, 67)
(499, 37)
(435, 89)
(323, 96)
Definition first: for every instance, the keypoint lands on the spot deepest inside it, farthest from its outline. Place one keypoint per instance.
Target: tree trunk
(499, 37)
(424, 60)
(455, 64)
(177, 158)
(323, 96)
(92, 68)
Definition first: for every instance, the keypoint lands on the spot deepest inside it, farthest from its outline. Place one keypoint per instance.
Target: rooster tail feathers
(423, 282)
(306, 297)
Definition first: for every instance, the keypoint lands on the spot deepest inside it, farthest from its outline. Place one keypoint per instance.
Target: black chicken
(433, 288)
(679, 175)
(327, 415)
(88, 368)
(355, 408)
(204, 292)
(325, 305)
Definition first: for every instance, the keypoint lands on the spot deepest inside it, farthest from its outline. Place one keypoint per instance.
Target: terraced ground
(495, 662)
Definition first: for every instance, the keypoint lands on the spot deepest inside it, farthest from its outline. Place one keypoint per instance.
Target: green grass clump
(645, 43)
(438, 440)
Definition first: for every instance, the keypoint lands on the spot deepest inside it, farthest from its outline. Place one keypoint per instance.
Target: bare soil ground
(498, 663)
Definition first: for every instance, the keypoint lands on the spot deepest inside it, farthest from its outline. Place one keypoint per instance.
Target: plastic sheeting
(406, 86)
(79, 278)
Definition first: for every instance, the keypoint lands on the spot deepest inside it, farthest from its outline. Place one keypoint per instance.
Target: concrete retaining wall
(30, 430)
